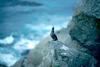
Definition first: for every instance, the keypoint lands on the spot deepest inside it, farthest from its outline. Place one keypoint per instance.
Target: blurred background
(23, 23)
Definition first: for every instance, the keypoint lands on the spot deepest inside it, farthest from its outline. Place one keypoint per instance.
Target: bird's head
(53, 29)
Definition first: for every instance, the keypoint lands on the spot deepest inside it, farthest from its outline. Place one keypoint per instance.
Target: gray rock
(70, 57)
(83, 29)
(58, 55)
(91, 7)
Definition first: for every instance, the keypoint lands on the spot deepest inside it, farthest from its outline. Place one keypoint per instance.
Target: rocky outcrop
(86, 23)
(70, 57)
(84, 30)
(57, 55)
(91, 7)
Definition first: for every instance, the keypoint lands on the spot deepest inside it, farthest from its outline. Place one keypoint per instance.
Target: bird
(53, 35)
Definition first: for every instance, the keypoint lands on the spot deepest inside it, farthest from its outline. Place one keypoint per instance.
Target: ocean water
(23, 23)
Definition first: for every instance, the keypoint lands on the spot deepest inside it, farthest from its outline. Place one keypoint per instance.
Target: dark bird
(53, 35)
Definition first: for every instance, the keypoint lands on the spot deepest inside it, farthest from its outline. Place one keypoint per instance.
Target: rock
(19, 63)
(91, 7)
(84, 29)
(67, 57)
(58, 55)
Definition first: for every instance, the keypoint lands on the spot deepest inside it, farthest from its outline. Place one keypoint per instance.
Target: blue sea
(23, 23)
